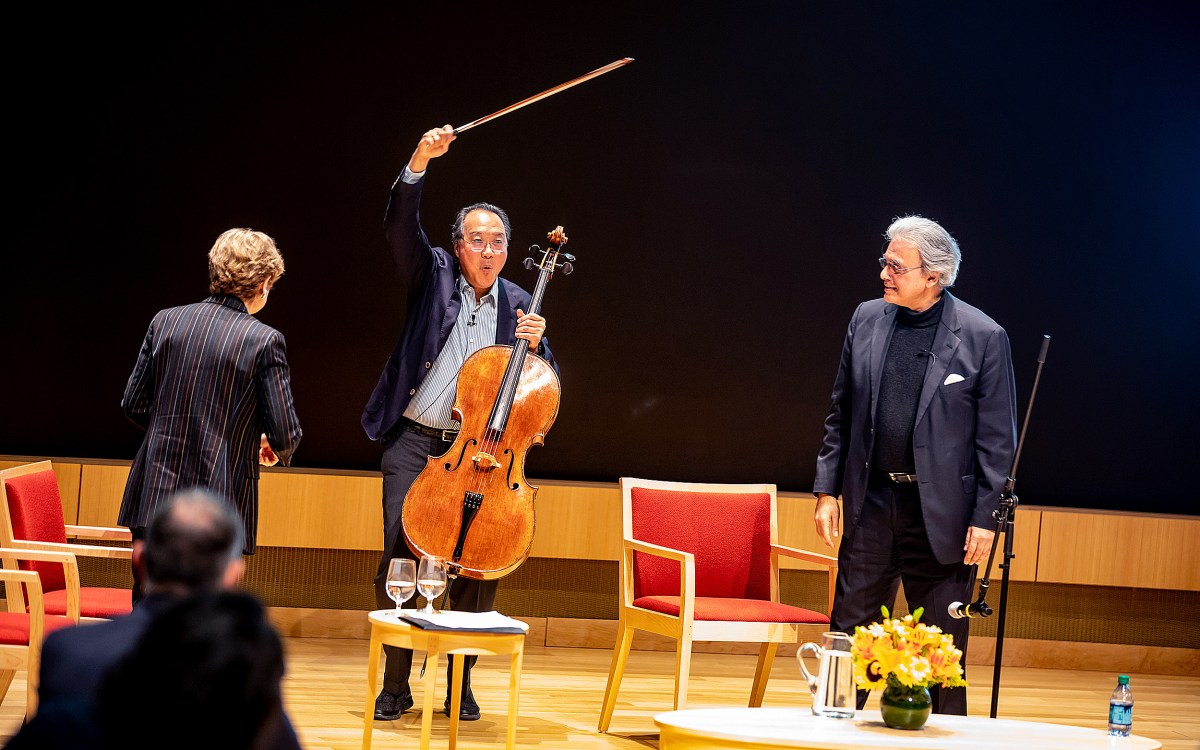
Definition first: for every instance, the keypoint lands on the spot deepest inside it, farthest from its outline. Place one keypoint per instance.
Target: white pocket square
(953, 378)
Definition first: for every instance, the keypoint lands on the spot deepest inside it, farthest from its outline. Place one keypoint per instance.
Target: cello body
(499, 536)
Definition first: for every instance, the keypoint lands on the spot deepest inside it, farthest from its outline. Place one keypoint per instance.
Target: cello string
(512, 373)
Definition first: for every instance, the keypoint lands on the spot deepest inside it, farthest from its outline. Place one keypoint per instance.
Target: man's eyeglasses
(477, 245)
(895, 268)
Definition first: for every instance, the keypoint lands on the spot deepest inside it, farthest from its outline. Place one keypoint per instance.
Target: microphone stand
(1004, 525)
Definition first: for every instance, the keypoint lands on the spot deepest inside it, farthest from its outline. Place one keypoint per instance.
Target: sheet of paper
(468, 620)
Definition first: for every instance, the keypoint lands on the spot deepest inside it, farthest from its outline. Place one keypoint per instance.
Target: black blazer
(965, 432)
(75, 661)
(210, 379)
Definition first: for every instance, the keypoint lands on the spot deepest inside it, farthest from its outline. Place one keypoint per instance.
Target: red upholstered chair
(33, 519)
(22, 631)
(700, 562)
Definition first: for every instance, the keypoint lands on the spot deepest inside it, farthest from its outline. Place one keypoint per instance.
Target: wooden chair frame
(684, 628)
(20, 585)
(73, 531)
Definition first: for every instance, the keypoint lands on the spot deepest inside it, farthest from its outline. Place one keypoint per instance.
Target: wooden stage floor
(561, 690)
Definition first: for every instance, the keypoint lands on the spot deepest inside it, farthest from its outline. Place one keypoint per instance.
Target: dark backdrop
(725, 195)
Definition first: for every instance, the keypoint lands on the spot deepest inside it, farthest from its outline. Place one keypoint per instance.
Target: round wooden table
(790, 728)
(388, 630)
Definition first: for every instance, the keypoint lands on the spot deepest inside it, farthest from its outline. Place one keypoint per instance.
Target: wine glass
(401, 580)
(431, 580)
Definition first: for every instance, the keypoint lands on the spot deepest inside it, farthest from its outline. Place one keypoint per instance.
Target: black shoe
(390, 705)
(468, 709)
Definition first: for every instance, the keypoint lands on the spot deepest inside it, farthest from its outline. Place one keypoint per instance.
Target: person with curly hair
(212, 389)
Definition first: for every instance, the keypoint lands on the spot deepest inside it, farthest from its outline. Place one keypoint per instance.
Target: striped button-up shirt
(474, 329)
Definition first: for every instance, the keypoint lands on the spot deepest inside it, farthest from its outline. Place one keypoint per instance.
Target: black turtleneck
(908, 356)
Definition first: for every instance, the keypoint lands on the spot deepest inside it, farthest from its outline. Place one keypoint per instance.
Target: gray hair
(456, 229)
(939, 251)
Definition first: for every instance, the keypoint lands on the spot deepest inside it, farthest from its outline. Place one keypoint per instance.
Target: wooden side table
(388, 630)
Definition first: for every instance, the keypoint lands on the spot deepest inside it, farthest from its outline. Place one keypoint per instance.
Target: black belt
(447, 436)
(884, 478)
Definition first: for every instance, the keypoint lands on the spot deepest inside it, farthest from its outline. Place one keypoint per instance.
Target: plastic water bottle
(1120, 708)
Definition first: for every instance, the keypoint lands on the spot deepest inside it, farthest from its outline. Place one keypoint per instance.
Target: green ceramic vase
(905, 707)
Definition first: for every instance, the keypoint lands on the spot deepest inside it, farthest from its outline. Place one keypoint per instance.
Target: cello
(472, 505)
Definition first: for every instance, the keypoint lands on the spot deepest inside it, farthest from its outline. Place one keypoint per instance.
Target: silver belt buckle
(900, 478)
(449, 435)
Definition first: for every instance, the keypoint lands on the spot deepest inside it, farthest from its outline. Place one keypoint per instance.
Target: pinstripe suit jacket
(210, 379)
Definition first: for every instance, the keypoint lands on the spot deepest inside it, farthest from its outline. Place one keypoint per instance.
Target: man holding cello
(456, 305)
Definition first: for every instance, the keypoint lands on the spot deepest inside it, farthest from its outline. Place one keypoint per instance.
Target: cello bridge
(485, 461)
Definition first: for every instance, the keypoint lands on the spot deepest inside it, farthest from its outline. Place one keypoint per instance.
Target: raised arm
(409, 244)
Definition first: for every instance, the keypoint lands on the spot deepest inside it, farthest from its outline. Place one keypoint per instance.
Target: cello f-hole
(511, 463)
(461, 455)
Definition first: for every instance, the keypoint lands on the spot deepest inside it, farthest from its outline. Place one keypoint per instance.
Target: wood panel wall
(1120, 549)
(582, 520)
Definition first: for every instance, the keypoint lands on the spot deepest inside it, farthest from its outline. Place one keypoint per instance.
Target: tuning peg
(566, 268)
(529, 264)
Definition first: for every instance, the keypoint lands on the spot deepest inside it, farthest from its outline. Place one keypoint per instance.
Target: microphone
(471, 322)
(958, 610)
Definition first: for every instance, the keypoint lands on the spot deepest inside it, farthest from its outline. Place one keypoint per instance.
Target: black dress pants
(887, 546)
(404, 456)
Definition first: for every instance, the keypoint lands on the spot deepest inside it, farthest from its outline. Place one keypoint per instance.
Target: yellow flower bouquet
(905, 657)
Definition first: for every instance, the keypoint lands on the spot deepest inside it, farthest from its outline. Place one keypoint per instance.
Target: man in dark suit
(212, 389)
(456, 305)
(918, 442)
(193, 545)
